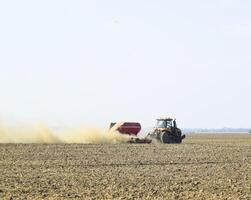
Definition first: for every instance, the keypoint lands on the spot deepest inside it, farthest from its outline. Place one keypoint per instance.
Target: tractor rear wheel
(168, 138)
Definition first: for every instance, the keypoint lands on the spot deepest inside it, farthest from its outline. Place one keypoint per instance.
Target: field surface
(203, 167)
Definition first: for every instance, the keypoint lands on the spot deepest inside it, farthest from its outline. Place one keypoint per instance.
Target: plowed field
(203, 167)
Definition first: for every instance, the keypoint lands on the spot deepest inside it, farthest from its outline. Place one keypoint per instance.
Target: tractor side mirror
(174, 124)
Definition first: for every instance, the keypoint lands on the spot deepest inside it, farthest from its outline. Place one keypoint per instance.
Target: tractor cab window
(161, 124)
(164, 124)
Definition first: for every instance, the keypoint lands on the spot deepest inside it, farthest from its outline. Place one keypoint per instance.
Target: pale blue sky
(92, 62)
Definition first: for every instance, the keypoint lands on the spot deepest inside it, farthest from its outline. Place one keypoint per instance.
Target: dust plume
(41, 134)
(27, 134)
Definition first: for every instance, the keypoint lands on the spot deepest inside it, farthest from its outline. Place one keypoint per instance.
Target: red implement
(129, 128)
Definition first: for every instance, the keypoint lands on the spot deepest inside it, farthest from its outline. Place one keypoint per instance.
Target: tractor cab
(165, 123)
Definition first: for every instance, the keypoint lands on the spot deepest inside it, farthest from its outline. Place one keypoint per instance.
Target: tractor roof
(165, 119)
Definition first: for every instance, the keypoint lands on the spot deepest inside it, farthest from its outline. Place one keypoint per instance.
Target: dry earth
(203, 167)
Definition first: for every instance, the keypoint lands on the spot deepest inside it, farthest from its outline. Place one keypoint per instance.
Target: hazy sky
(72, 62)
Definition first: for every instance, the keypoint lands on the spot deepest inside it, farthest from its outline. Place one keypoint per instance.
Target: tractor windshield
(164, 123)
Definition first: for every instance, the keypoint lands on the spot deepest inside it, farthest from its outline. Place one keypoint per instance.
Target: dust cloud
(40, 133)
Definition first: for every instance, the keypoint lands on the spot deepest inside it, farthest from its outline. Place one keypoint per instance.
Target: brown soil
(203, 167)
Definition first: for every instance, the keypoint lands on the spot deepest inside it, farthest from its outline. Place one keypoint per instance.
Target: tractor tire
(168, 138)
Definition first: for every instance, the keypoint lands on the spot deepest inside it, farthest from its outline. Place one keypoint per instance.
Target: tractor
(166, 131)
